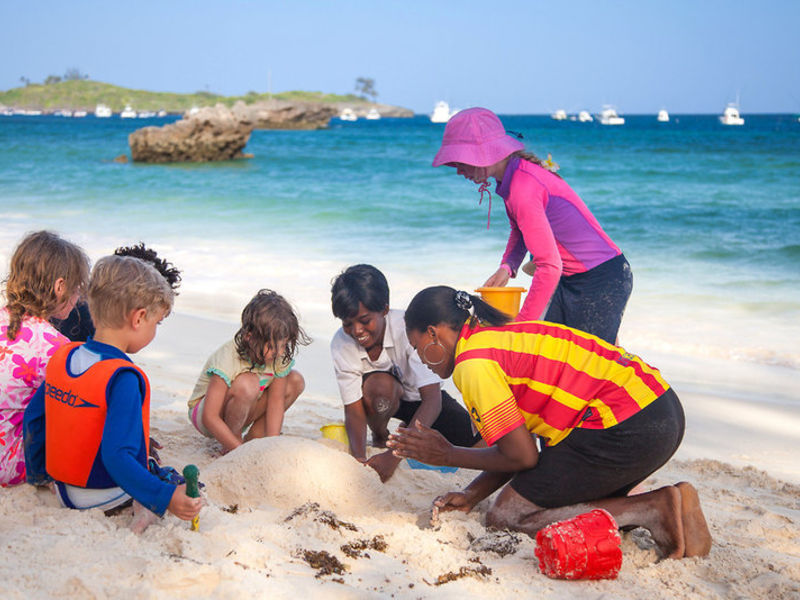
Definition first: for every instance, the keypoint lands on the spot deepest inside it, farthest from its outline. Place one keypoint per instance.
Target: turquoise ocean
(708, 216)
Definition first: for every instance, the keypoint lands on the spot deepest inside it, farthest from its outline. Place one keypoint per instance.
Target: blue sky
(511, 56)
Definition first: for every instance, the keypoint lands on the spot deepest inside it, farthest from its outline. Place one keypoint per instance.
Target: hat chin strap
(484, 188)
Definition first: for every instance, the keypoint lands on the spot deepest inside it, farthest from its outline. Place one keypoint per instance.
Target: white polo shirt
(351, 361)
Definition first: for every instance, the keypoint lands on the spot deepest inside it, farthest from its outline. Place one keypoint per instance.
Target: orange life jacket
(75, 414)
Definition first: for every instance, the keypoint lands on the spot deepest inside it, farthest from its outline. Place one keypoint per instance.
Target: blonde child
(88, 426)
(249, 381)
(46, 276)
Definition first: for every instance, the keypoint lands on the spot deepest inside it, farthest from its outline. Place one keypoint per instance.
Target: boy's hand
(182, 506)
(385, 464)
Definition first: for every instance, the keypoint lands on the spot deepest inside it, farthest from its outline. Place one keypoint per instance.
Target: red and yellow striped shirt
(549, 377)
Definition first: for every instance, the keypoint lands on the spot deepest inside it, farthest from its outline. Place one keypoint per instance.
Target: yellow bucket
(335, 431)
(505, 299)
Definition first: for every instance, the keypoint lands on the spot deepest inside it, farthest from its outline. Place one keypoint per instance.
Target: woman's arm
(355, 423)
(527, 210)
(431, 405)
(515, 451)
(483, 486)
(212, 414)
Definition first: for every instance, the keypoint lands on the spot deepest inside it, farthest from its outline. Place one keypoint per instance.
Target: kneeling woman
(606, 420)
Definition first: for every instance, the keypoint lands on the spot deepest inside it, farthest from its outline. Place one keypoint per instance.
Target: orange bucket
(505, 299)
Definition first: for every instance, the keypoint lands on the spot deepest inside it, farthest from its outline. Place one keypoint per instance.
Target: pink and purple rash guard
(550, 221)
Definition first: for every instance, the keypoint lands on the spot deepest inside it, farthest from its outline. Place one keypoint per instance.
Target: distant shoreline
(85, 95)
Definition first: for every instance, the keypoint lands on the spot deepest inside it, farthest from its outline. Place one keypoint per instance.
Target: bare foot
(142, 518)
(695, 529)
(666, 526)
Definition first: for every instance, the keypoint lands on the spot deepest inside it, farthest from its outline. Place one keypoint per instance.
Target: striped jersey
(549, 377)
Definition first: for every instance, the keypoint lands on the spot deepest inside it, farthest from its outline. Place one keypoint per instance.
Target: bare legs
(381, 396)
(295, 384)
(245, 404)
(672, 514)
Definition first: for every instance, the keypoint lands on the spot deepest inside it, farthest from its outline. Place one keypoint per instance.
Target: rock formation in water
(209, 134)
(280, 114)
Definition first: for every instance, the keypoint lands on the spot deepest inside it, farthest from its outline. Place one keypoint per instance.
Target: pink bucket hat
(476, 137)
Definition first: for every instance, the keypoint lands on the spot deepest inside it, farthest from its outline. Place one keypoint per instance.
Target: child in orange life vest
(249, 380)
(87, 427)
(45, 278)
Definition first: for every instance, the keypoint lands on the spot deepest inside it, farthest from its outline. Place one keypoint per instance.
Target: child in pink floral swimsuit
(45, 278)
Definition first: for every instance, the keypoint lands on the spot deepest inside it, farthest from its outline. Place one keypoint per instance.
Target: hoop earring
(425, 358)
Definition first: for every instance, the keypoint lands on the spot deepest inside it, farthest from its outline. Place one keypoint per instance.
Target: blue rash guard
(123, 449)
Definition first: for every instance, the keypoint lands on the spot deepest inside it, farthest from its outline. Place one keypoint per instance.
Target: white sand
(739, 451)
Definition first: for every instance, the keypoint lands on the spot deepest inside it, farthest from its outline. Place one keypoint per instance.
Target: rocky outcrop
(280, 114)
(209, 134)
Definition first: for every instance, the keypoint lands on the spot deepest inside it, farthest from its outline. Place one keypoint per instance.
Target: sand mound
(285, 472)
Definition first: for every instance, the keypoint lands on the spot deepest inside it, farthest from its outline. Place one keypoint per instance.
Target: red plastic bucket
(584, 547)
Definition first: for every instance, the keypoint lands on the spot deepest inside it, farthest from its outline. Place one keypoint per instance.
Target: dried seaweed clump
(354, 549)
(324, 562)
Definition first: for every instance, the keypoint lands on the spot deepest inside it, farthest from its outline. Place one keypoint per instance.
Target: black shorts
(453, 422)
(593, 301)
(590, 464)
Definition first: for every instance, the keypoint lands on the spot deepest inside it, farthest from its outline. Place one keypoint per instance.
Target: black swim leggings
(590, 464)
(594, 301)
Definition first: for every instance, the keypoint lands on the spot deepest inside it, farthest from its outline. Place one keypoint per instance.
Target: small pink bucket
(584, 547)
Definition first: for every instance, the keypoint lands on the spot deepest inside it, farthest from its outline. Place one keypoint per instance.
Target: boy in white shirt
(380, 375)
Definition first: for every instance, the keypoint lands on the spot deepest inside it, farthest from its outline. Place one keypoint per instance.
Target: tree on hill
(74, 74)
(52, 79)
(365, 86)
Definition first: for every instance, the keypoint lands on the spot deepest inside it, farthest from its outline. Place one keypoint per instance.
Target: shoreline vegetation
(86, 95)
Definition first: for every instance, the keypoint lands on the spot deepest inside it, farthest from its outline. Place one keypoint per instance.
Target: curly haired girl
(46, 276)
(249, 381)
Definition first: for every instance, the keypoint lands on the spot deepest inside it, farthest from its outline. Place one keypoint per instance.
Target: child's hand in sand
(385, 464)
(462, 501)
(421, 443)
(182, 506)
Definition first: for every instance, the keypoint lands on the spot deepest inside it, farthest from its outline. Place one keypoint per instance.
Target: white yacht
(731, 115)
(146, 114)
(373, 114)
(441, 112)
(128, 113)
(663, 116)
(347, 114)
(609, 116)
(585, 117)
(102, 111)
(79, 113)
(162, 113)
(559, 115)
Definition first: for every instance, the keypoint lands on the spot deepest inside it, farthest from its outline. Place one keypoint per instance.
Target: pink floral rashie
(22, 364)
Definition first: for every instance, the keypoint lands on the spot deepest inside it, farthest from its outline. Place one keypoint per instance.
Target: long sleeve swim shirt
(550, 221)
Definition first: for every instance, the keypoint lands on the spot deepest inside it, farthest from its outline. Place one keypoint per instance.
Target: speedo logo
(66, 397)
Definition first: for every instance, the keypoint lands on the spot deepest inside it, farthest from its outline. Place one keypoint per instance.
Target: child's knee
(246, 386)
(297, 383)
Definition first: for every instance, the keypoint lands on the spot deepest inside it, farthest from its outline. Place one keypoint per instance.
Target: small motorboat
(731, 116)
(609, 116)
